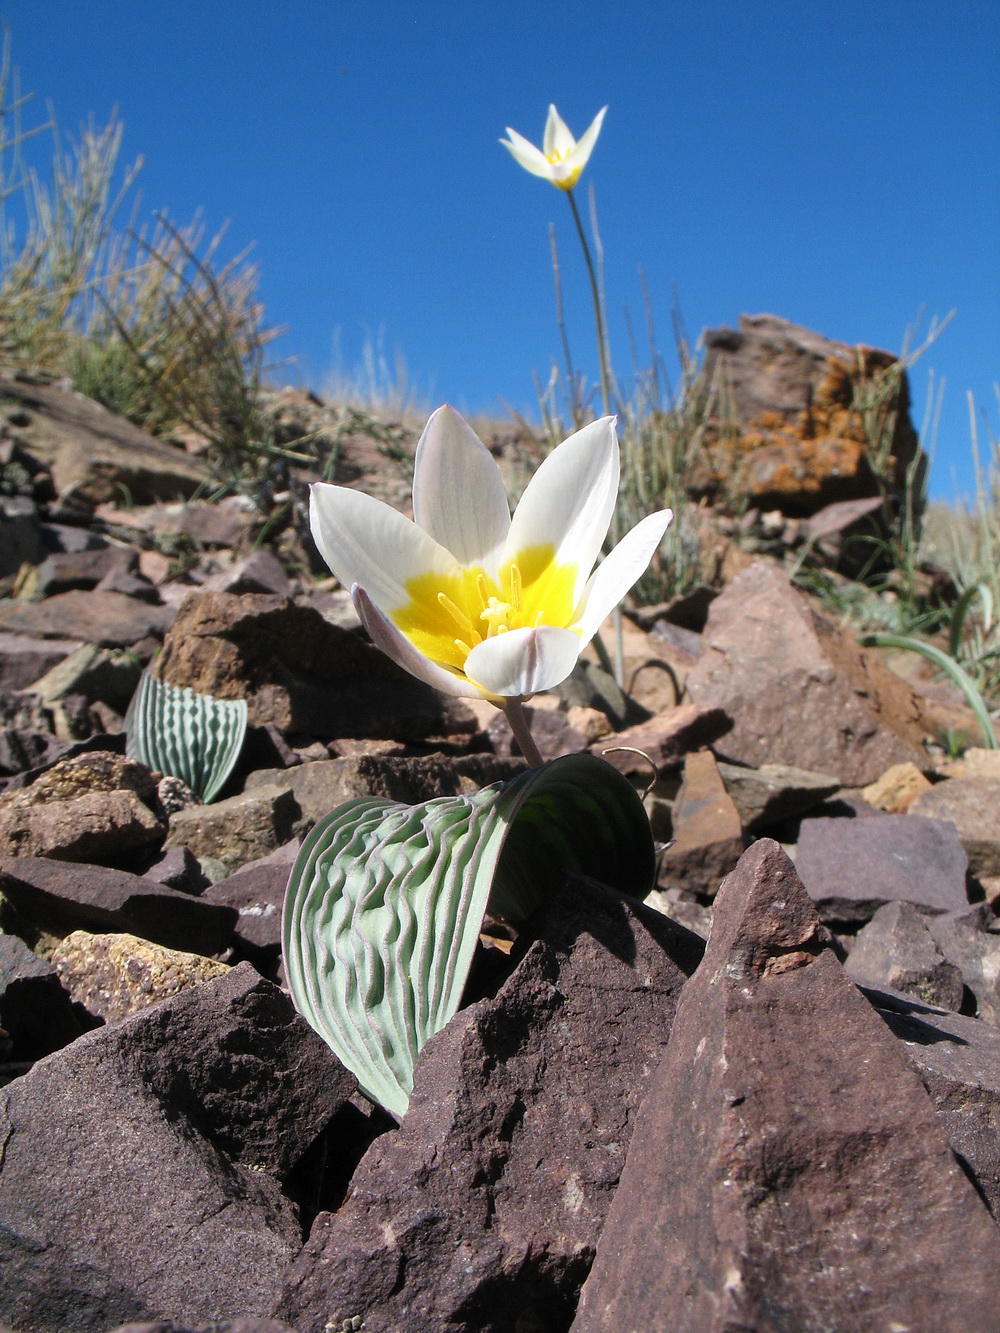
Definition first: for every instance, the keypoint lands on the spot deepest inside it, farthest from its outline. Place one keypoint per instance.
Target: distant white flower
(468, 599)
(561, 158)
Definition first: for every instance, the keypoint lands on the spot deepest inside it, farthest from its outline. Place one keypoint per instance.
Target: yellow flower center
(446, 617)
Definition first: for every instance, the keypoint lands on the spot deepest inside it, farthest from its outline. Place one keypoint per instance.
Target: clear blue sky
(832, 162)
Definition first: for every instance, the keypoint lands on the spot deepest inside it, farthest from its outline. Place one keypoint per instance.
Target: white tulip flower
(467, 598)
(561, 157)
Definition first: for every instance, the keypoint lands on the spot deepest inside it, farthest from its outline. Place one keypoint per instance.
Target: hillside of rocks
(768, 1097)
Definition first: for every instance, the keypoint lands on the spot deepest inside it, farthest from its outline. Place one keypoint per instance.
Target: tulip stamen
(515, 589)
(457, 614)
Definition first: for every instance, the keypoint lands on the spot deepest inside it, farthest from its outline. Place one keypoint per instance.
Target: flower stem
(602, 353)
(514, 709)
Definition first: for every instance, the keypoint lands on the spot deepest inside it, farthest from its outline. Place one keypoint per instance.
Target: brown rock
(108, 619)
(797, 689)
(257, 891)
(240, 829)
(65, 570)
(897, 789)
(59, 898)
(706, 827)
(322, 785)
(801, 440)
(788, 1170)
(113, 976)
(261, 572)
(482, 1210)
(91, 451)
(142, 1164)
(972, 805)
(665, 738)
(93, 807)
(773, 792)
(300, 672)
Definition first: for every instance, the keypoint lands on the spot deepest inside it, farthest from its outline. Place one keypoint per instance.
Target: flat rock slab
(323, 784)
(24, 659)
(482, 1211)
(851, 867)
(257, 892)
(91, 449)
(243, 1325)
(972, 804)
(764, 796)
(61, 897)
(958, 1060)
(788, 1169)
(665, 738)
(798, 690)
(107, 619)
(142, 1163)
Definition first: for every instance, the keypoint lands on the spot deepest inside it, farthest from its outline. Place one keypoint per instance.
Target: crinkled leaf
(385, 901)
(189, 736)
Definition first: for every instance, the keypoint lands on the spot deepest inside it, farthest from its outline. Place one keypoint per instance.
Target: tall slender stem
(598, 314)
(514, 709)
(602, 356)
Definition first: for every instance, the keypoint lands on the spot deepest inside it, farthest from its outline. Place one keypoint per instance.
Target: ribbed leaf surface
(385, 901)
(189, 736)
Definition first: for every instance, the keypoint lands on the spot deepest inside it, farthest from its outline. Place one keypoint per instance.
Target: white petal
(615, 575)
(527, 155)
(386, 636)
(585, 145)
(365, 541)
(569, 501)
(458, 494)
(523, 661)
(558, 140)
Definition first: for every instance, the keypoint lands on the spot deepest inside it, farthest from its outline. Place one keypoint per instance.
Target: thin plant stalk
(602, 356)
(514, 709)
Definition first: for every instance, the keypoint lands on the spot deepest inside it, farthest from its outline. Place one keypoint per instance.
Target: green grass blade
(951, 669)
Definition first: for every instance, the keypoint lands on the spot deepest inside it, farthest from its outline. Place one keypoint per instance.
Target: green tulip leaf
(385, 901)
(189, 736)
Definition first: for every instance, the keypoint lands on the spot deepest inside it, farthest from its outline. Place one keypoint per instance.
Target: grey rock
(20, 535)
(970, 939)
(851, 867)
(239, 829)
(958, 1060)
(35, 1010)
(24, 659)
(65, 570)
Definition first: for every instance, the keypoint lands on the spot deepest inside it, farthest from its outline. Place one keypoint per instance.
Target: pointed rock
(483, 1209)
(788, 1170)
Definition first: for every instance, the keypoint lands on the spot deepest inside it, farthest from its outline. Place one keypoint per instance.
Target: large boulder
(796, 437)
